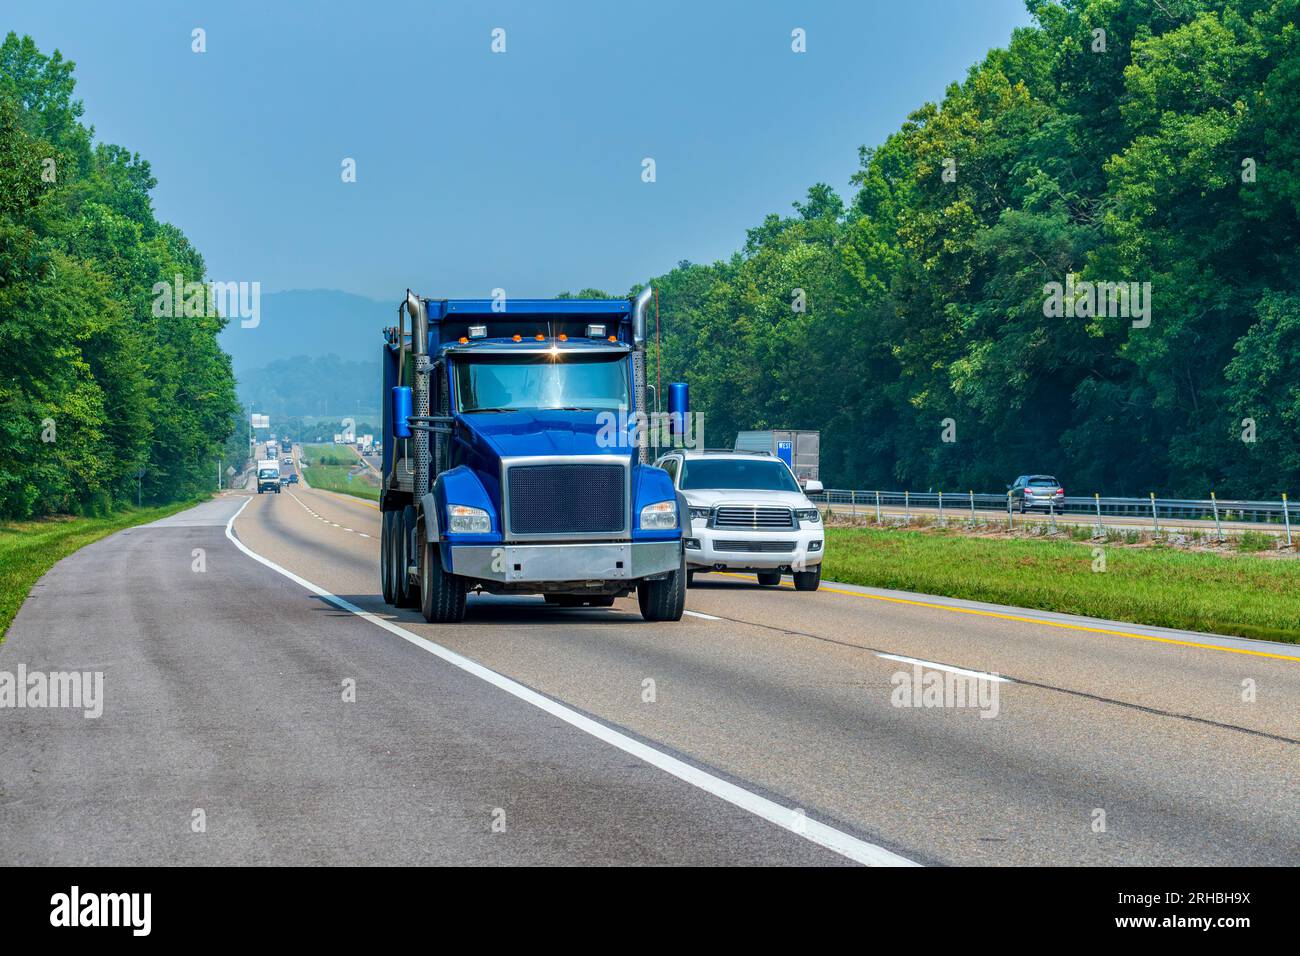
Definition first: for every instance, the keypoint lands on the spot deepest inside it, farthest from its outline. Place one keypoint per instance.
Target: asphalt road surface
(763, 728)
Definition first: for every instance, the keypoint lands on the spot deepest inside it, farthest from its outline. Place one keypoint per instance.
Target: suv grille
(753, 519)
(755, 547)
(566, 499)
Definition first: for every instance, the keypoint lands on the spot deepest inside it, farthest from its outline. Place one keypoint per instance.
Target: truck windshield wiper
(471, 411)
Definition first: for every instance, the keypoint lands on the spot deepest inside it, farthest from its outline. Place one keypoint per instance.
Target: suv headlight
(701, 512)
(811, 515)
(463, 519)
(660, 516)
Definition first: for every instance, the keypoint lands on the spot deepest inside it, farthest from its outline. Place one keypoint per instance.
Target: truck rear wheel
(442, 595)
(407, 594)
(386, 561)
(665, 599)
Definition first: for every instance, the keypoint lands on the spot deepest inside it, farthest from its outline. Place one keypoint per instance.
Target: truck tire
(386, 580)
(808, 580)
(407, 594)
(690, 579)
(442, 595)
(768, 578)
(664, 600)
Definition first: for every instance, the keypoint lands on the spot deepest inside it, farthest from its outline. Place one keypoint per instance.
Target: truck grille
(755, 547)
(569, 499)
(753, 519)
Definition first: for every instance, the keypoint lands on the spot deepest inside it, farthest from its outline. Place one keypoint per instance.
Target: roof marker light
(462, 340)
(540, 337)
(563, 337)
(613, 338)
(516, 337)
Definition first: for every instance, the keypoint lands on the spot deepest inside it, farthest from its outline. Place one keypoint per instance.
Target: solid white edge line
(707, 617)
(945, 667)
(786, 818)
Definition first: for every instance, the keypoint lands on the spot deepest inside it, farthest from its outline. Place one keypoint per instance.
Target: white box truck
(268, 475)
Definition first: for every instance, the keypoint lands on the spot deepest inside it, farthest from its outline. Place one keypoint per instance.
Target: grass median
(1242, 594)
(334, 469)
(30, 548)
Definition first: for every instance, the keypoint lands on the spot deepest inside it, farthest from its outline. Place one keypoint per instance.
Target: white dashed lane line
(321, 518)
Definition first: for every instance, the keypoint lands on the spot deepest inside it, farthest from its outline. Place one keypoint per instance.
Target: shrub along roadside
(1224, 594)
(30, 548)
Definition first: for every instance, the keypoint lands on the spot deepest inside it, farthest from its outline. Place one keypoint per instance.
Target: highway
(760, 729)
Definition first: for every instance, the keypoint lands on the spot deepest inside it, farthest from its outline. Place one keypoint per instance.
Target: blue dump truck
(515, 458)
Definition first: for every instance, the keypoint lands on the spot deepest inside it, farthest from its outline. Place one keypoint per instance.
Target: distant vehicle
(293, 479)
(287, 461)
(748, 513)
(268, 476)
(284, 480)
(801, 450)
(286, 446)
(1037, 491)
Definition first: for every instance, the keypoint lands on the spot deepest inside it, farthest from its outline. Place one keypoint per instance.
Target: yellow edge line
(1037, 620)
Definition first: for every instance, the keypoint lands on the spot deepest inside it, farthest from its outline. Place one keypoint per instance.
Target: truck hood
(707, 498)
(542, 432)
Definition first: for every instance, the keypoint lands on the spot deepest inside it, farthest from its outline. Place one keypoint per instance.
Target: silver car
(1037, 491)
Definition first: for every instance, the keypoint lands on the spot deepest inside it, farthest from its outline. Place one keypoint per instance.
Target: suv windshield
(541, 381)
(756, 475)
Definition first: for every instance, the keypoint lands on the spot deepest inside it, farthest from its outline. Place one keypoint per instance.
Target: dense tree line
(93, 386)
(1115, 141)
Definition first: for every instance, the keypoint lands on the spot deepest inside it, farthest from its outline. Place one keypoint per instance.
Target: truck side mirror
(401, 411)
(812, 487)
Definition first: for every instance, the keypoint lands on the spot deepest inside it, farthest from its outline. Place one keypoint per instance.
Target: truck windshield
(269, 473)
(758, 475)
(494, 383)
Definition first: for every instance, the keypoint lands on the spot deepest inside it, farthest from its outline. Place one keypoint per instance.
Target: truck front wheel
(442, 595)
(665, 599)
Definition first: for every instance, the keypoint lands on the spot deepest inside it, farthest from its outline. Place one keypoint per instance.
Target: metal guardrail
(1281, 512)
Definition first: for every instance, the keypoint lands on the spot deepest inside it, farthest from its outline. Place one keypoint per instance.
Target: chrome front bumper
(521, 563)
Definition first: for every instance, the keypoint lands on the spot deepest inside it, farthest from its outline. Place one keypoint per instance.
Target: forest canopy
(1114, 141)
(95, 389)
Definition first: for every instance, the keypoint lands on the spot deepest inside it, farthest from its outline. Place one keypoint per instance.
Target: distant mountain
(315, 322)
(310, 385)
(290, 364)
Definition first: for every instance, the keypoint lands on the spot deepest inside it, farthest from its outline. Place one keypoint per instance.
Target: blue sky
(478, 170)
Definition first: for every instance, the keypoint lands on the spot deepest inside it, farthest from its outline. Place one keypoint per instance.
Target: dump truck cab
(514, 458)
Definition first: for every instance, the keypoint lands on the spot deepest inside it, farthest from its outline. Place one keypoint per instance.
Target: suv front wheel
(808, 580)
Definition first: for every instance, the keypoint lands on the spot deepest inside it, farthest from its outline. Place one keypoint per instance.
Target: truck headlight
(808, 514)
(660, 516)
(463, 519)
(701, 512)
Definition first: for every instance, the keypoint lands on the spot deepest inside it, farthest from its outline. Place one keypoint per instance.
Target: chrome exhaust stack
(419, 314)
(639, 317)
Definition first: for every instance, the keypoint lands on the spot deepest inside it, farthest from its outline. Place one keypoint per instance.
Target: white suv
(748, 514)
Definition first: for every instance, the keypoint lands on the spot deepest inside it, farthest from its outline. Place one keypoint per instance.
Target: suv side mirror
(812, 486)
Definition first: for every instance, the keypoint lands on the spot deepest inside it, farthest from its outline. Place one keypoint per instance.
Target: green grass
(30, 548)
(1225, 594)
(329, 471)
